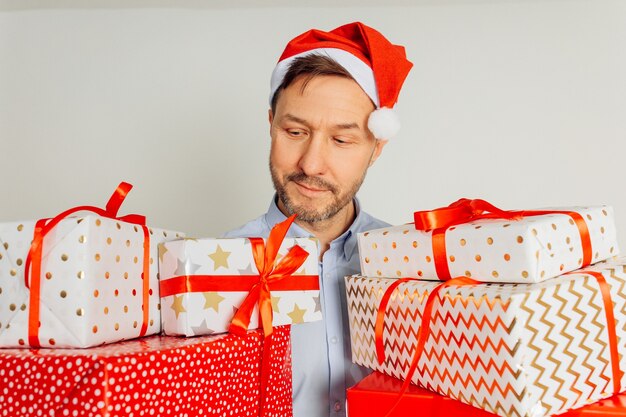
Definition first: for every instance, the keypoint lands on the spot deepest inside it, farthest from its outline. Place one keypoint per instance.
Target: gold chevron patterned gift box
(515, 350)
(87, 287)
(205, 281)
(530, 247)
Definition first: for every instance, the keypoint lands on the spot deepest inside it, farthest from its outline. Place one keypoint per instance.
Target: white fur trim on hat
(384, 123)
(359, 70)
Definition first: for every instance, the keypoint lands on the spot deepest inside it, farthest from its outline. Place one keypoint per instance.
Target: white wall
(519, 102)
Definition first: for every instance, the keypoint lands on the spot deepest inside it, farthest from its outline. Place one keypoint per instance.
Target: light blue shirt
(322, 363)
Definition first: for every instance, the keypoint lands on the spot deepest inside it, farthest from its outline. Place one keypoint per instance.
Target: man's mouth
(309, 189)
(310, 186)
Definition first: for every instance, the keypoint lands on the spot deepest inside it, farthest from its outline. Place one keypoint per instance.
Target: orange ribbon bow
(269, 273)
(463, 210)
(32, 265)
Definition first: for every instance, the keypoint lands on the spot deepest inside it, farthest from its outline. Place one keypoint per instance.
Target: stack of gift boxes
(518, 314)
(89, 278)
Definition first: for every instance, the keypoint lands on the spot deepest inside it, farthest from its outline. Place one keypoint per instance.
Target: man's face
(321, 147)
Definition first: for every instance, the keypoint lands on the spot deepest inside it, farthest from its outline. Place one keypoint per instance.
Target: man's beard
(339, 200)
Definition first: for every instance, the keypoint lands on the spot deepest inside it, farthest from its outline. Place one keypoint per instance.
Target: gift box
(86, 286)
(153, 376)
(376, 394)
(524, 247)
(205, 281)
(513, 350)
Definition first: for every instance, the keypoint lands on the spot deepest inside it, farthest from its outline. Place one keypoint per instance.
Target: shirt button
(333, 340)
(337, 406)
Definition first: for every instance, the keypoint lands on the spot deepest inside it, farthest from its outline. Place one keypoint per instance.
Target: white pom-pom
(384, 123)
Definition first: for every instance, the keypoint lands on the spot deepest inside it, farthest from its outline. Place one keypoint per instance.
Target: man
(330, 117)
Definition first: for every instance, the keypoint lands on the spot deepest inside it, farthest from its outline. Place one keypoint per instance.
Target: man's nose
(313, 159)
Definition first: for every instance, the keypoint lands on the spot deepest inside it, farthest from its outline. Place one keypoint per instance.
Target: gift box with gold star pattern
(205, 281)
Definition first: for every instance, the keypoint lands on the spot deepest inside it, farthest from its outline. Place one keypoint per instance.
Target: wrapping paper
(526, 350)
(153, 376)
(198, 261)
(532, 249)
(91, 282)
(375, 395)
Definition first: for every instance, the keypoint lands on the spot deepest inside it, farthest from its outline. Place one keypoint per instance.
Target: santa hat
(378, 66)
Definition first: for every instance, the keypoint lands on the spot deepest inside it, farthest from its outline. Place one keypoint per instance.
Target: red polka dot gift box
(514, 350)
(207, 284)
(83, 278)
(154, 376)
(475, 239)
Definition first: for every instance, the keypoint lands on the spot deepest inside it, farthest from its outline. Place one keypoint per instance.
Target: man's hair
(309, 67)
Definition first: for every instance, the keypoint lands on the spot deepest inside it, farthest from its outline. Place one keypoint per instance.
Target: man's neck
(328, 230)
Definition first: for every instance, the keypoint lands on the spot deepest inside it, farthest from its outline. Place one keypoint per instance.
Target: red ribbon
(272, 276)
(32, 265)
(466, 210)
(461, 211)
(265, 259)
(422, 333)
(424, 330)
(203, 283)
(605, 290)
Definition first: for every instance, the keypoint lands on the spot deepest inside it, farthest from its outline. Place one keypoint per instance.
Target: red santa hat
(377, 65)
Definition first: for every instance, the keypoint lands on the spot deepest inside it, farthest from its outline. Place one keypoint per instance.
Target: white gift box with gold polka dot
(206, 312)
(532, 249)
(515, 350)
(91, 282)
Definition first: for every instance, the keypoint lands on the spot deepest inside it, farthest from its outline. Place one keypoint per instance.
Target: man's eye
(340, 141)
(296, 133)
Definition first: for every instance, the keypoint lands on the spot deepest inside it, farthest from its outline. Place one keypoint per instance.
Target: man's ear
(378, 148)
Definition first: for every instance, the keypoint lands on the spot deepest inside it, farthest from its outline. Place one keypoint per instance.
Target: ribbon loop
(463, 210)
(117, 198)
(241, 320)
(264, 255)
(275, 239)
(289, 264)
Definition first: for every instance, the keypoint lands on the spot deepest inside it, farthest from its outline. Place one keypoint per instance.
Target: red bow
(461, 211)
(269, 272)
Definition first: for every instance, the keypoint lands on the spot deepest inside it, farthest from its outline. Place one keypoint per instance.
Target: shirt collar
(345, 242)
